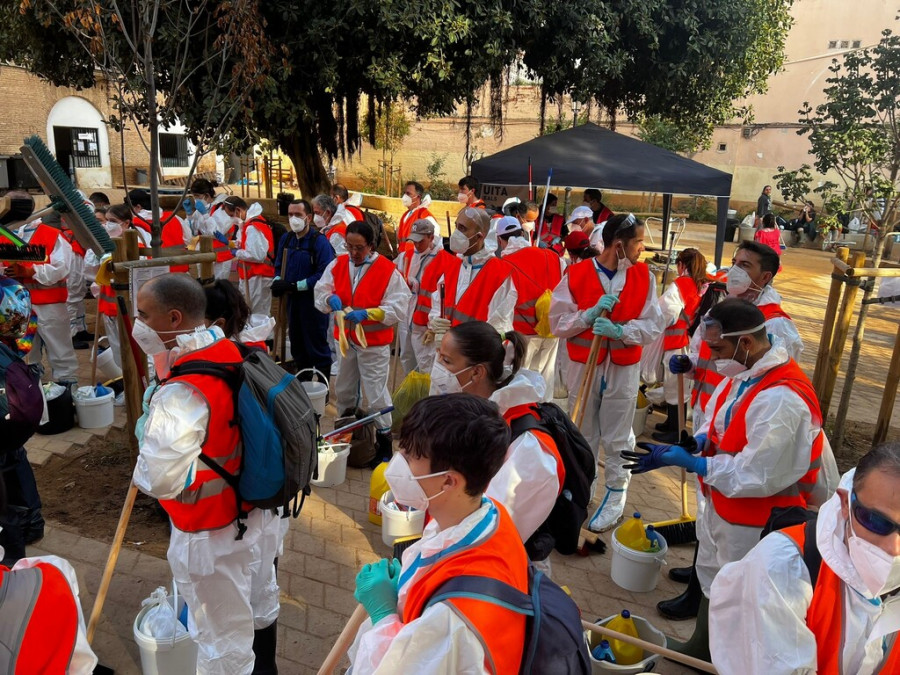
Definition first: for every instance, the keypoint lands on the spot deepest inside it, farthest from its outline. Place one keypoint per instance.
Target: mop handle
(358, 423)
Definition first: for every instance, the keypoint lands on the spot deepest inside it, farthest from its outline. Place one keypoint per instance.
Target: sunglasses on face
(872, 520)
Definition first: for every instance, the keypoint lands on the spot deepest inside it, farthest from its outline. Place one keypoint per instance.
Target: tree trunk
(852, 363)
(303, 149)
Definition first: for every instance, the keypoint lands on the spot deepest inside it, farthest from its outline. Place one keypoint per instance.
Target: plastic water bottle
(603, 652)
(632, 535)
(653, 538)
(625, 653)
(377, 487)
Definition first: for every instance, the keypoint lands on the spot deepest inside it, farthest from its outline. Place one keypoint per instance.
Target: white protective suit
(83, 660)
(541, 352)
(779, 327)
(53, 332)
(780, 435)
(501, 307)
(764, 598)
(364, 372)
(527, 483)
(209, 224)
(257, 290)
(110, 323)
(229, 585)
(439, 641)
(414, 353)
(75, 302)
(609, 408)
(337, 241)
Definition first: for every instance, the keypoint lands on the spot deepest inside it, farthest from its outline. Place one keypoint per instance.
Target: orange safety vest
(209, 503)
(142, 224)
(551, 233)
(69, 236)
(369, 293)
(536, 270)
(676, 336)
(405, 227)
(500, 556)
(172, 236)
(473, 305)
(825, 616)
(355, 212)
(478, 204)
(435, 269)
(45, 236)
(340, 229)
(755, 511)
(40, 620)
(248, 270)
(548, 445)
(706, 377)
(586, 289)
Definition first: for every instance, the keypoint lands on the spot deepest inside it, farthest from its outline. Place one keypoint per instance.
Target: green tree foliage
(670, 136)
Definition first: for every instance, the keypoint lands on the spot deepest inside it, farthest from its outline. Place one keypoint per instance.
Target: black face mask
(20, 209)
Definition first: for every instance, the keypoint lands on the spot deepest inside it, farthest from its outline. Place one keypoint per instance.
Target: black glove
(280, 287)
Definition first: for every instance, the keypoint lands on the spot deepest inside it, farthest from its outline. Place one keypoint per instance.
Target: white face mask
(405, 486)
(319, 221)
(462, 198)
(879, 570)
(445, 382)
(113, 229)
(730, 367)
(459, 242)
(148, 339)
(739, 282)
(406, 200)
(297, 224)
(623, 263)
(528, 226)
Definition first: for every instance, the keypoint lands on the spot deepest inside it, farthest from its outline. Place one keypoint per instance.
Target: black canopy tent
(591, 156)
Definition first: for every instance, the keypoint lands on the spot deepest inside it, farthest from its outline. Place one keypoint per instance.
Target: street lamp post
(576, 107)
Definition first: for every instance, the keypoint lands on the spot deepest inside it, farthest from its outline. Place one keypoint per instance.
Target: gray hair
(325, 203)
(179, 291)
(884, 458)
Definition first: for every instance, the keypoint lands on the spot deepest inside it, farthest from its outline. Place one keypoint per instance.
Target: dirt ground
(83, 492)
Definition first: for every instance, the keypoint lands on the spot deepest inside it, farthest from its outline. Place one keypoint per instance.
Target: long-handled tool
(362, 421)
(587, 379)
(681, 530)
(697, 664)
(281, 317)
(345, 639)
(95, 352)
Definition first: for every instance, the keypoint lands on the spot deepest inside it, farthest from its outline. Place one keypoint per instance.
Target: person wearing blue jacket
(308, 254)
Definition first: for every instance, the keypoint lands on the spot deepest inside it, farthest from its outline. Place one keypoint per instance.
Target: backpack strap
(811, 554)
(486, 589)
(526, 423)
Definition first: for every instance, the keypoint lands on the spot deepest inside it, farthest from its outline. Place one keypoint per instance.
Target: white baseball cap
(580, 212)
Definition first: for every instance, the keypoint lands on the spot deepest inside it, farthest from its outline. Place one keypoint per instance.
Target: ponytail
(502, 354)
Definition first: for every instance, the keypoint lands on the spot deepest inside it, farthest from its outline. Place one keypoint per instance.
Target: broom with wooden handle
(345, 639)
(587, 379)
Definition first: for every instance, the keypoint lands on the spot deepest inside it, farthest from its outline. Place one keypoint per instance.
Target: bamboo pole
(855, 271)
(834, 297)
(842, 329)
(889, 395)
(186, 259)
(130, 378)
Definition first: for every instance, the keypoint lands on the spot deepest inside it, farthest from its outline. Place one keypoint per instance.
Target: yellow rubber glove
(343, 344)
(376, 314)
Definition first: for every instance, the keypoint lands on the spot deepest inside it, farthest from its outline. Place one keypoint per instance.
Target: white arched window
(77, 135)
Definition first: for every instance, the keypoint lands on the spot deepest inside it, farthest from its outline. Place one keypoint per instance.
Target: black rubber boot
(681, 575)
(384, 446)
(698, 645)
(264, 642)
(686, 605)
(671, 421)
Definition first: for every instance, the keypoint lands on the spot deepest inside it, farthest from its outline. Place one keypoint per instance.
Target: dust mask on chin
(406, 200)
(879, 570)
(297, 224)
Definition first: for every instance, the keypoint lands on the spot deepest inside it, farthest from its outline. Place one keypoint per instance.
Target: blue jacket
(307, 256)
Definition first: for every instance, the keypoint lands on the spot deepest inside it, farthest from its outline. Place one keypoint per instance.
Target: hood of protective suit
(515, 244)
(257, 329)
(831, 537)
(255, 209)
(768, 296)
(525, 387)
(478, 258)
(774, 357)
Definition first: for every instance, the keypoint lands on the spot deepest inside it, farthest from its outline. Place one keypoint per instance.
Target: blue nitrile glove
(700, 440)
(335, 303)
(604, 303)
(357, 316)
(607, 328)
(188, 205)
(641, 462)
(301, 285)
(221, 238)
(200, 206)
(376, 589)
(680, 363)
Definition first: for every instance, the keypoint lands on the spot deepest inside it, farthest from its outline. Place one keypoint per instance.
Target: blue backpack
(554, 638)
(279, 431)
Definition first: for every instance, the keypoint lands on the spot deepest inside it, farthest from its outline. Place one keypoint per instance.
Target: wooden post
(127, 249)
(889, 396)
(206, 268)
(834, 297)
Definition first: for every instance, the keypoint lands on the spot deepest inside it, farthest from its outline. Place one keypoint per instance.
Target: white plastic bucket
(746, 233)
(106, 364)
(316, 390)
(332, 465)
(161, 656)
(646, 631)
(94, 413)
(732, 213)
(398, 524)
(635, 570)
(640, 419)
